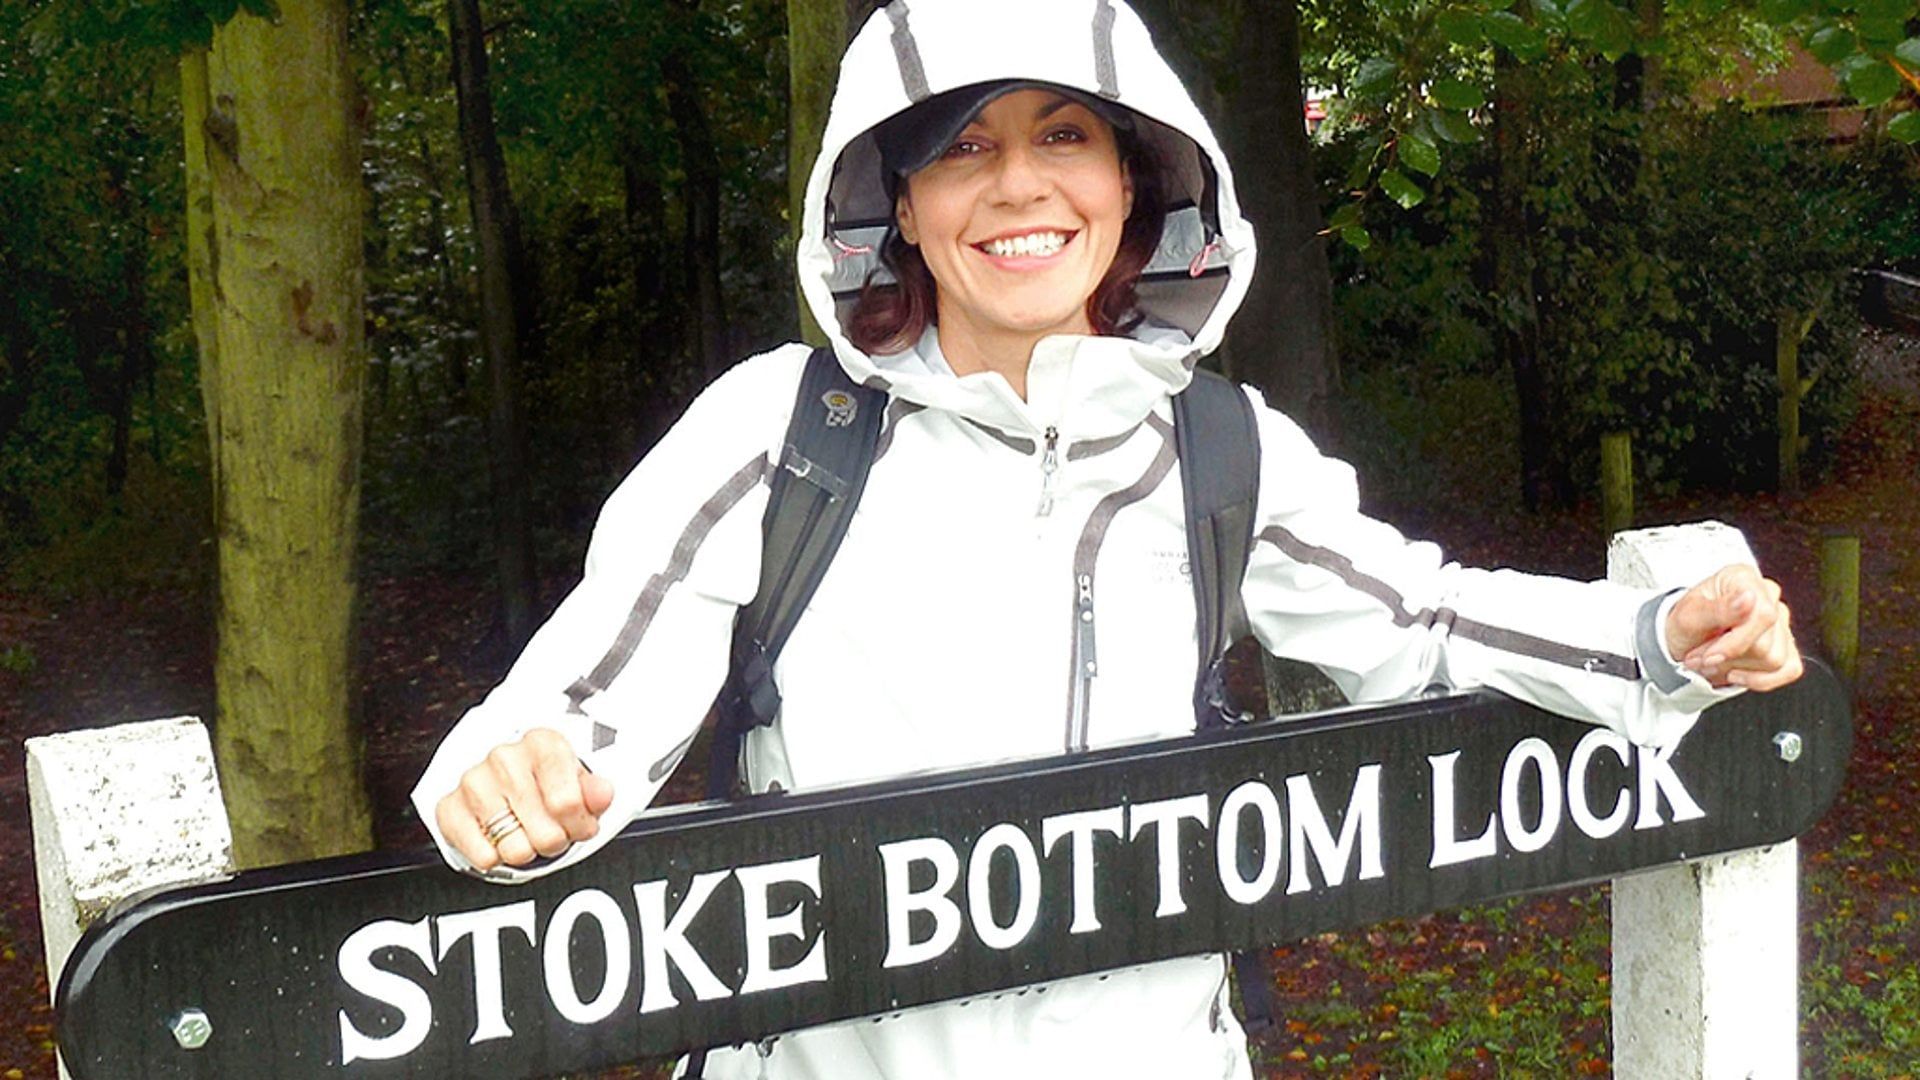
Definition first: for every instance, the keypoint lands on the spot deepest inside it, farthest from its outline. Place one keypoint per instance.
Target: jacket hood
(911, 50)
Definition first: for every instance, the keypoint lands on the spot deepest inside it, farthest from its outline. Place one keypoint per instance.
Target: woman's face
(1019, 219)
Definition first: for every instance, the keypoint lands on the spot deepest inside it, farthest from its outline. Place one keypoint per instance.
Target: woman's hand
(1733, 629)
(528, 798)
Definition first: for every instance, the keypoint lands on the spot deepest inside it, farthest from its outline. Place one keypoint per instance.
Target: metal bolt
(191, 1029)
(1788, 744)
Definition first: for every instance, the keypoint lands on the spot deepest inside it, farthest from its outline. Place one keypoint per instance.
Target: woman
(1023, 231)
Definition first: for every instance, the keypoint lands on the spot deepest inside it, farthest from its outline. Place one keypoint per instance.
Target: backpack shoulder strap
(830, 446)
(1219, 447)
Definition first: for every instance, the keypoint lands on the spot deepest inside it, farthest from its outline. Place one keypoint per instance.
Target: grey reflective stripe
(1103, 68)
(1494, 637)
(912, 75)
(1086, 555)
(644, 609)
(1660, 668)
(659, 770)
(897, 410)
(1095, 447)
(1017, 443)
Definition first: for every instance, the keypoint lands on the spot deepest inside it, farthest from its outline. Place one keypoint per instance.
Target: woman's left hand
(1734, 630)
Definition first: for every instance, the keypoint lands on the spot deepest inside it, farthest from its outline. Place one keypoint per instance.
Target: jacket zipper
(1085, 664)
(1049, 467)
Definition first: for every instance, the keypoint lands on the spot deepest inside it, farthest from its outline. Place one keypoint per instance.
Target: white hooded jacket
(946, 632)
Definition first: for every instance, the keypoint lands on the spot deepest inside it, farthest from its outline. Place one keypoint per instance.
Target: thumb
(596, 791)
(1703, 613)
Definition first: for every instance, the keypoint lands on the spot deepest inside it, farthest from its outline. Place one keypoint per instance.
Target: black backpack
(831, 444)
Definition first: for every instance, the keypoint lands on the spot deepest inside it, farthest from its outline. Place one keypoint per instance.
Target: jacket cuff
(1650, 645)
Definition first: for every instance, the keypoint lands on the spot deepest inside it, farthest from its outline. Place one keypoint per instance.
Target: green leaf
(1457, 94)
(1400, 189)
(1882, 10)
(1830, 44)
(1418, 153)
(1873, 84)
(1881, 31)
(1908, 53)
(1549, 14)
(1905, 127)
(1454, 127)
(1511, 32)
(1356, 238)
(265, 9)
(1375, 78)
(1782, 12)
(1610, 29)
(1348, 215)
(1462, 27)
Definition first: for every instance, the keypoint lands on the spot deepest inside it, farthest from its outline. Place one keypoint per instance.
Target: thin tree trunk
(701, 250)
(1517, 319)
(652, 317)
(1282, 340)
(284, 151)
(497, 237)
(816, 35)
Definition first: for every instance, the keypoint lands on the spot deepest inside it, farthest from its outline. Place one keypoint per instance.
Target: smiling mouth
(1038, 245)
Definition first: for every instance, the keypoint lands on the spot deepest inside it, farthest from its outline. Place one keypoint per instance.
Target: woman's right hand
(556, 800)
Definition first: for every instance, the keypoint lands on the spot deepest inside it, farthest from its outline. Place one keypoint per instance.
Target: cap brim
(912, 140)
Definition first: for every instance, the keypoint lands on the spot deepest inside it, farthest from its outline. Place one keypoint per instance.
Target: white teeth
(1040, 244)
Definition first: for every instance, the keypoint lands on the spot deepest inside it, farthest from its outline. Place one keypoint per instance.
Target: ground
(1512, 989)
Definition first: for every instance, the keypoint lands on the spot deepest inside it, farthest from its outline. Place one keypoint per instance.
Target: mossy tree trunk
(816, 35)
(283, 144)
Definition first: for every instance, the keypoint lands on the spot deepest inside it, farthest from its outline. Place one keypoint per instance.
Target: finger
(1781, 665)
(513, 767)
(462, 832)
(558, 774)
(1703, 613)
(1716, 652)
(597, 789)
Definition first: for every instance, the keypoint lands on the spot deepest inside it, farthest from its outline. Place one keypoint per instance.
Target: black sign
(718, 924)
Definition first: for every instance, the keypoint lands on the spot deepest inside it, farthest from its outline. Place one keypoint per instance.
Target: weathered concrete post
(1705, 954)
(118, 811)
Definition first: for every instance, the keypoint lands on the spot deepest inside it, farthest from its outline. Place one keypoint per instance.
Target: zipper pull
(1049, 465)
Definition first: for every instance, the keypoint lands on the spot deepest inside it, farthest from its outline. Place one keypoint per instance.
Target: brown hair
(889, 318)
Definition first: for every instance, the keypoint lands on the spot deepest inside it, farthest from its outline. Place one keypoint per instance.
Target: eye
(961, 148)
(1065, 133)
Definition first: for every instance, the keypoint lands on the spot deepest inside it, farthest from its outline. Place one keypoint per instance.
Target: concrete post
(118, 811)
(1705, 954)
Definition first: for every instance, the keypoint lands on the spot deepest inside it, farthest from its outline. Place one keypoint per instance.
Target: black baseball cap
(912, 140)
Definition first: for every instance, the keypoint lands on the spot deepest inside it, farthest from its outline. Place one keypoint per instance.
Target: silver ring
(501, 825)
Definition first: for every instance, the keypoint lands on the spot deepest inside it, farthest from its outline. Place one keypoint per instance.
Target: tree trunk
(653, 320)
(496, 237)
(816, 35)
(1516, 337)
(701, 250)
(1282, 340)
(194, 108)
(284, 148)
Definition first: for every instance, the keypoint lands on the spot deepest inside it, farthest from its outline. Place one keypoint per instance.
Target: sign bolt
(191, 1029)
(1788, 744)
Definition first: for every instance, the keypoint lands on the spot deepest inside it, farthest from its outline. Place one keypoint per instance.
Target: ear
(1126, 191)
(903, 215)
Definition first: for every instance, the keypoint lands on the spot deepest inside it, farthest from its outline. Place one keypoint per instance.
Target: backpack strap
(830, 446)
(1219, 447)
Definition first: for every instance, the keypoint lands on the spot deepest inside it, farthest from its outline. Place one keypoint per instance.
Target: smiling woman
(1021, 210)
(1021, 245)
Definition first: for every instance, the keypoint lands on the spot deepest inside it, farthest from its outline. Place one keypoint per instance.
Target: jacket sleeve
(1387, 617)
(629, 662)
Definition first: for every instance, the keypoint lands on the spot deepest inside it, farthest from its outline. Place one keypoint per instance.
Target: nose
(1021, 177)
